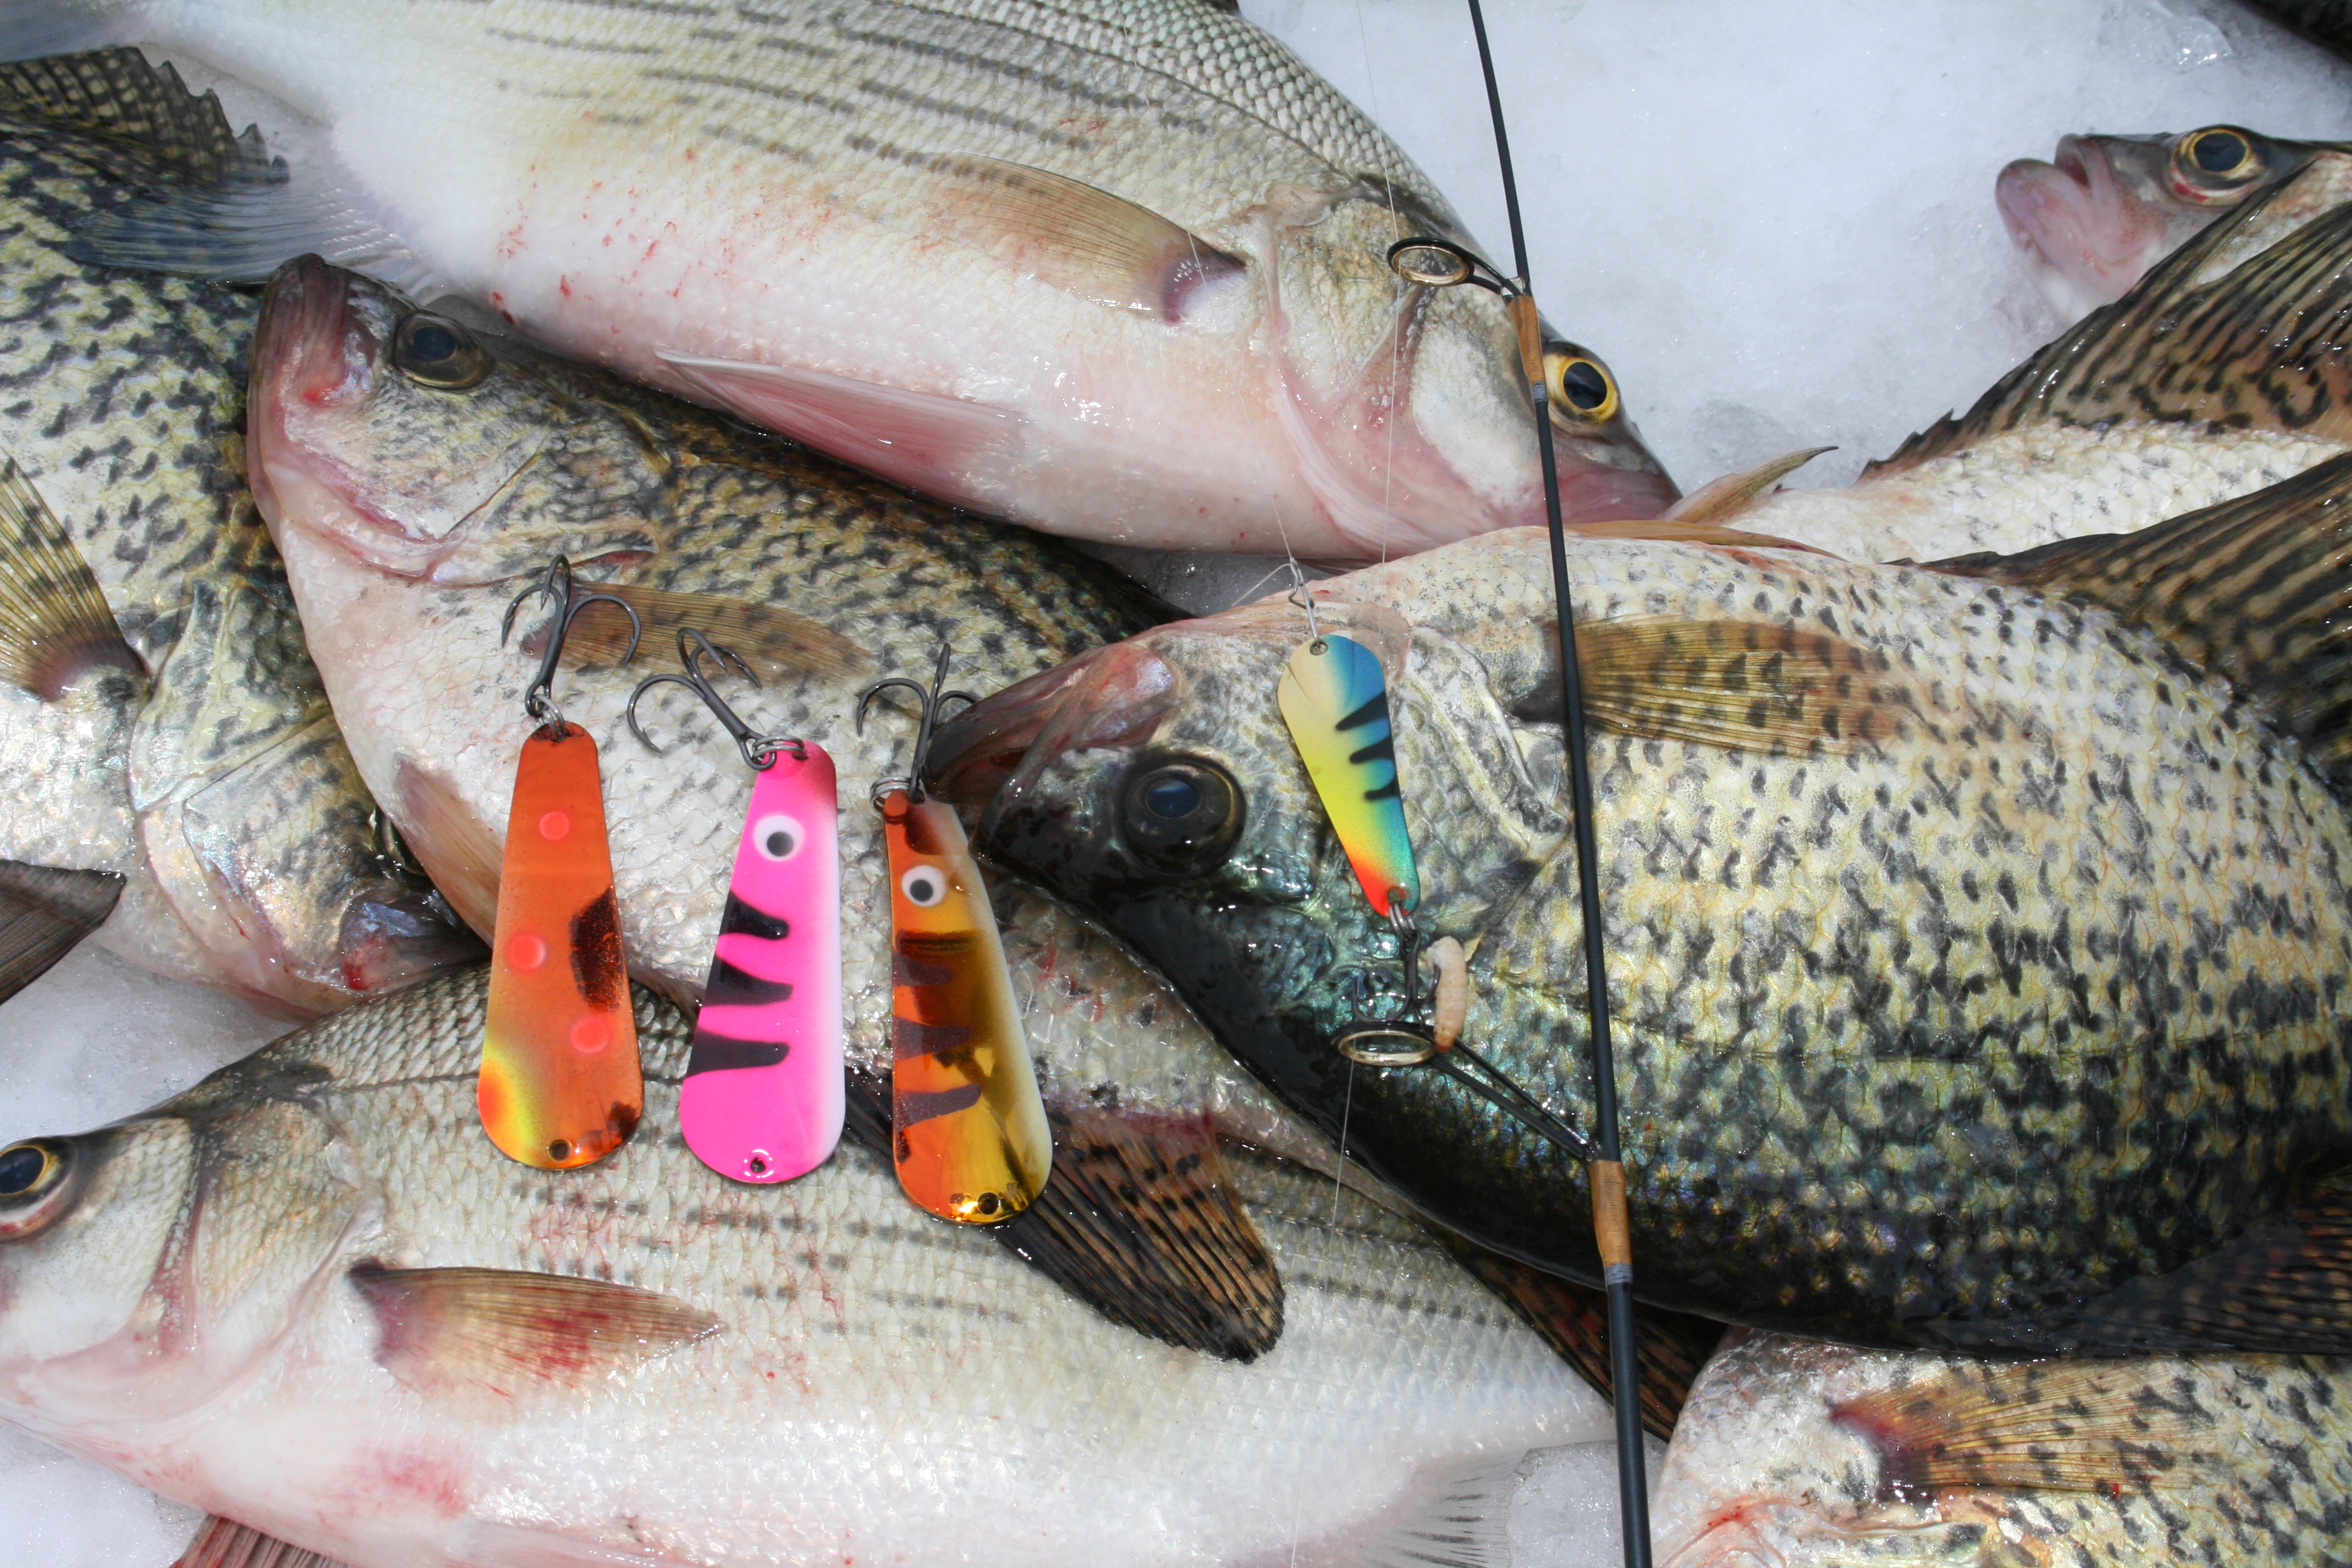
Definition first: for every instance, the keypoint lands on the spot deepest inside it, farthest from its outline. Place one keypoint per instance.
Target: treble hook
(931, 700)
(539, 699)
(1441, 263)
(759, 751)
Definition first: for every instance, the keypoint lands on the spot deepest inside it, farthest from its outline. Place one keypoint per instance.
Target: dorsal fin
(115, 96)
(2257, 590)
(2261, 347)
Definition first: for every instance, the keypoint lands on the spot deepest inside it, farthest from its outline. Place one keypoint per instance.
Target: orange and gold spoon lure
(560, 1085)
(967, 1129)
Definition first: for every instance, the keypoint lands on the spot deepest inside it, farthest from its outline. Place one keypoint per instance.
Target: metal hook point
(759, 751)
(539, 699)
(929, 703)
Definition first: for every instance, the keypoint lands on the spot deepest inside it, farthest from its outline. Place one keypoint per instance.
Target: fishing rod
(1442, 263)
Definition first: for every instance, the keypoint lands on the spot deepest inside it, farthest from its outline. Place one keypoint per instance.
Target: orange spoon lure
(968, 1133)
(560, 1085)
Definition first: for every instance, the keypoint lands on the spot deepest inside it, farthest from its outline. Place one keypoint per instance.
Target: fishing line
(1396, 299)
(1606, 1169)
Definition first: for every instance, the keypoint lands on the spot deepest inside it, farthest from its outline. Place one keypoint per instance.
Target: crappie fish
(1116, 269)
(2092, 223)
(161, 726)
(1801, 1454)
(309, 1294)
(1977, 941)
(2225, 370)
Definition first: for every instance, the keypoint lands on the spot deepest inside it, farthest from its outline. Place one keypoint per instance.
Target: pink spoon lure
(762, 1099)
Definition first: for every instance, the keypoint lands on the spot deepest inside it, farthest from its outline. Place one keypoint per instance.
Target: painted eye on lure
(1581, 390)
(778, 836)
(35, 1176)
(2218, 159)
(434, 352)
(1181, 816)
(925, 886)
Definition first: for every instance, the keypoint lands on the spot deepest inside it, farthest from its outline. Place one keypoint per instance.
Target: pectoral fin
(504, 1331)
(225, 1544)
(54, 626)
(1075, 236)
(924, 440)
(44, 911)
(1139, 1220)
(1727, 683)
(775, 641)
(2039, 1426)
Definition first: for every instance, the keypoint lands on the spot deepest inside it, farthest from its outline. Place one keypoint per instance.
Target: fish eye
(779, 836)
(2220, 157)
(433, 350)
(1181, 816)
(924, 886)
(1581, 390)
(33, 1184)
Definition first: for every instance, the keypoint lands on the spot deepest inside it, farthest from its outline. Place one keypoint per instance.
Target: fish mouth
(2085, 239)
(1111, 698)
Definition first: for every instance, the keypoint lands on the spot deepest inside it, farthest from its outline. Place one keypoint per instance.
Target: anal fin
(504, 1331)
(55, 625)
(1670, 1347)
(925, 441)
(2285, 1286)
(1138, 1221)
(44, 911)
(225, 1544)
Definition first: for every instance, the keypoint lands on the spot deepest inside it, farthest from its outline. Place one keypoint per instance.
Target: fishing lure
(560, 1085)
(967, 1129)
(762, 1098)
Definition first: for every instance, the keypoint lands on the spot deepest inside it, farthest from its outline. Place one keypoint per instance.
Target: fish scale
(220, 788)
(1938, 1039)
(877, 1384)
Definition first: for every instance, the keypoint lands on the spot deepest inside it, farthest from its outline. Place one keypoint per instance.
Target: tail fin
(2256, 590)
(32, 28)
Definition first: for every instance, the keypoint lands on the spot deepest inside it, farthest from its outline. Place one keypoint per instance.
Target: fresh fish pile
(1977, 939)
(159, 716)
(1117, 270)
(309, 1294)
(2090, 225)
(1802, 1454)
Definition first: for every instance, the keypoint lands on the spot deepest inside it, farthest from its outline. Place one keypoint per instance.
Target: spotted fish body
(762, 1096)
(1335, 698)
(218, 786)
(967, 1129)
(1992, 1005)
(558, 1084)
(1806, 1455)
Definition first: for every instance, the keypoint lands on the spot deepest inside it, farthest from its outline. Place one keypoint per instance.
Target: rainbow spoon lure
(969, 1134)
(560, 1085)
(762, 1099)
(1334, 700)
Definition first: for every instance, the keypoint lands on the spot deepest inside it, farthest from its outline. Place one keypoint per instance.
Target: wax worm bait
(762, 1099)
(968, 1133)
(560, 1085)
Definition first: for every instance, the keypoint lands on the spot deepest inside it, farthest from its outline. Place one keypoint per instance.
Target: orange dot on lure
(559, 1084)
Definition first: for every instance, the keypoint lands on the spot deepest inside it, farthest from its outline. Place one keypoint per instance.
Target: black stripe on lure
(560, 1085)
(967, 1129)
(762, 1097)
(1333, 698)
